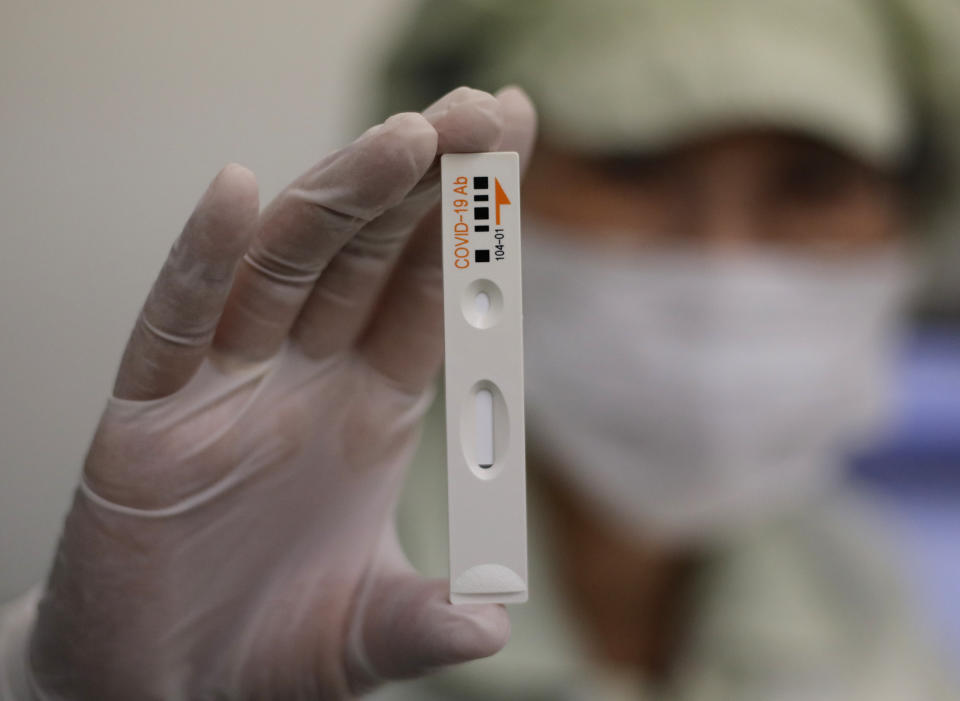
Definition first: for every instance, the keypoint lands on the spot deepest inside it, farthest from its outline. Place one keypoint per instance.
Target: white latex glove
(233, 534)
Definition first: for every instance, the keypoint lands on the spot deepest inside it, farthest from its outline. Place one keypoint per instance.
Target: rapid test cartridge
(483, 336)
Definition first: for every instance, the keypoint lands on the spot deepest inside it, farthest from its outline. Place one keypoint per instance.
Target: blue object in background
(915, 471)
(922, 448)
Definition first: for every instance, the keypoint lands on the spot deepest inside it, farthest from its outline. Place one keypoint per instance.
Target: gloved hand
(233, 537)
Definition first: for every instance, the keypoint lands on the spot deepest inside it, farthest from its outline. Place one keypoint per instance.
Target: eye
(635, 168)
(815, 176)
(827, 201)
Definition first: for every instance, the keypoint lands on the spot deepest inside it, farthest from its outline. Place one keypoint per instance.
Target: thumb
(408, 628)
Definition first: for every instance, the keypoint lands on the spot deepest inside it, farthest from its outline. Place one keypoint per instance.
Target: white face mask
(687, 394)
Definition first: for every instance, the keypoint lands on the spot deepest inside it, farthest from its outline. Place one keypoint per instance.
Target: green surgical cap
(873, 77)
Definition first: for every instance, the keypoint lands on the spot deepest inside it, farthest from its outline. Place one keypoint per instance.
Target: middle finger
(307, 223)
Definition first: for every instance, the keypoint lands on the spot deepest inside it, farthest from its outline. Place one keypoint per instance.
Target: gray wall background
(113, 118)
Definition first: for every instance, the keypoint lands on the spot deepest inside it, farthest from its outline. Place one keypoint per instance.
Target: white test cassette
(483, 335)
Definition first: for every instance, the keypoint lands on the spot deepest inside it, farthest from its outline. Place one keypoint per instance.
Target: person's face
(723, 194)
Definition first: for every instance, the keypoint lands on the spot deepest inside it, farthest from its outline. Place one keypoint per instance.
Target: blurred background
(114, 118)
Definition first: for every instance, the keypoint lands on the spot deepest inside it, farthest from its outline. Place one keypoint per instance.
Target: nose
(724, 203)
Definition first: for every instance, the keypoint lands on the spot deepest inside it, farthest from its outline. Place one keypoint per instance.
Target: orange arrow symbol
(499, 197)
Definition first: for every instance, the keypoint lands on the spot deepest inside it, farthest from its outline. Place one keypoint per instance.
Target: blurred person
(725, 219)
(723, 211)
